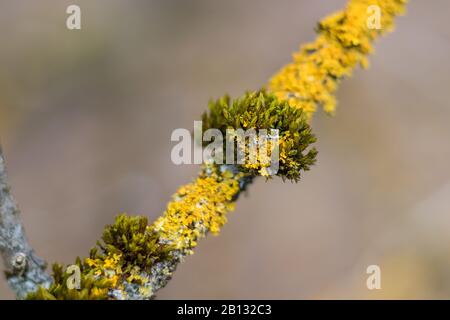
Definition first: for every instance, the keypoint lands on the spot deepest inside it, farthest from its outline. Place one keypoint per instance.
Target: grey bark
(25, 271)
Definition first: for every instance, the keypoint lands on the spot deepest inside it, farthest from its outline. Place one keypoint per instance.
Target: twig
(135, 259)
(24, 270)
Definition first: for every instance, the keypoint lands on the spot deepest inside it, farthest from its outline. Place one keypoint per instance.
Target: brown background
(86, 117)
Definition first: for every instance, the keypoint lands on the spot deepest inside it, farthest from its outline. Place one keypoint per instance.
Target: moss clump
(91, 287)
(129, 248)
(262, 110)
(134, 241)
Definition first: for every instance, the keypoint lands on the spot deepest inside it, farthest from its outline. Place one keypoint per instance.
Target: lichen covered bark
(344, 41)
(134, 260)
(25, 271)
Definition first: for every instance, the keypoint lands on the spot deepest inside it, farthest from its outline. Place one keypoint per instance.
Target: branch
(170, 231)
(24, 270)
(133, 259)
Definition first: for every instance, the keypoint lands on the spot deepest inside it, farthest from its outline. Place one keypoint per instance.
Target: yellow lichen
(197, 208)
(344, 41)
(136, 259)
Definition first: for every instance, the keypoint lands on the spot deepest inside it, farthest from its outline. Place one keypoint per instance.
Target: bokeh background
(86, 118)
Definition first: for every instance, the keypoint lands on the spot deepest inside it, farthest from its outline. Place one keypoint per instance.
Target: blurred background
(86, 118)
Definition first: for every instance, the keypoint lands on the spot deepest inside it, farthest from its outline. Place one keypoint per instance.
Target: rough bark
(25, 271)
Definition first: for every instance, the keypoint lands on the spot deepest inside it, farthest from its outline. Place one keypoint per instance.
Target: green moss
(134, 240)
(262, 110)
(91, 287)
(129, 248)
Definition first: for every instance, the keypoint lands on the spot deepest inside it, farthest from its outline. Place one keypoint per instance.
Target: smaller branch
(24, 270)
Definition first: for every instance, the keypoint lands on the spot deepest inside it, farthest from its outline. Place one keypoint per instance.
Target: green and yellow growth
(134, 253)
(262, 110)
(135, 259)
(344, 41)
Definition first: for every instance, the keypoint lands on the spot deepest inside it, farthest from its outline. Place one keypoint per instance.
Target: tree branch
(134, 260)
(24, 270)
